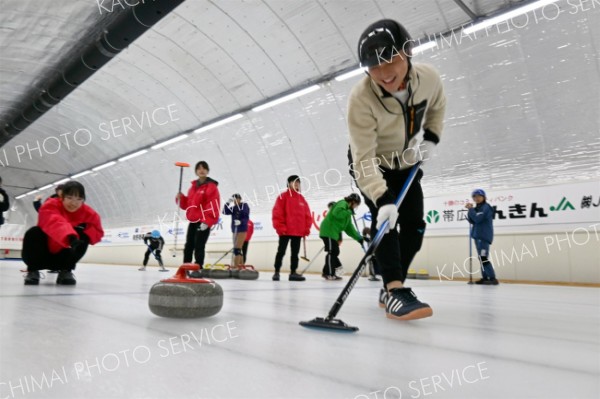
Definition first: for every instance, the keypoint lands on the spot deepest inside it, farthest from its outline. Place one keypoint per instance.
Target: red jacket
(250, 230)
(58, 224)
(203, 202)
(291, 215)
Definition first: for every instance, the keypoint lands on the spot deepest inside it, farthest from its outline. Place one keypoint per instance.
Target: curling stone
(244, 272)
(422, 274)
(219, 271)
(412, 273)
(183, 297)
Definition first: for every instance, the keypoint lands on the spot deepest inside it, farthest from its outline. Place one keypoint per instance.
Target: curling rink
(99, 340)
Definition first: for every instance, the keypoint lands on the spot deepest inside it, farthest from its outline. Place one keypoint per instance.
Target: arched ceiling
(522, 110)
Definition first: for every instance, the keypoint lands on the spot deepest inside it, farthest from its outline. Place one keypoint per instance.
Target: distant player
(37, 202)
(202, 206)
(240, 214)
(292, 220)
(481, 216)
(249, 234)
(154, 245)
(4, 203)
(338, 220)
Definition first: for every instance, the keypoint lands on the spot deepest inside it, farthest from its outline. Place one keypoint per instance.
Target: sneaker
(32, 278)
(329, 277)
(490, 282)
(142, 269)
(402, 304)
(383, 297)
(296, 277)
(480, 281)
(276, 276)
(66, 277)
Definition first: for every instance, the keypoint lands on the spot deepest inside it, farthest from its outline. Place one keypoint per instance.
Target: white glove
(389, 213)
(237, 222)
(419, 152)
(203, 226)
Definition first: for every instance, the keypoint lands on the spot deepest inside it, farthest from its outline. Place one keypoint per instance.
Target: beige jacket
(381, 129)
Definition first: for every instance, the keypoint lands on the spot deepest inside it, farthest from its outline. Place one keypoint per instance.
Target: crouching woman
(66, 227)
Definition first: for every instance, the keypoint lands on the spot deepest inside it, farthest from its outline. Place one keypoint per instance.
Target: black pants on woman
(332, 260)
(195, 242)
(37, 256)
(397, 250)
(281, 248)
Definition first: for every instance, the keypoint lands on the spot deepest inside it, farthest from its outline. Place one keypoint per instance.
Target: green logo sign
(563, 205)
(433, 217)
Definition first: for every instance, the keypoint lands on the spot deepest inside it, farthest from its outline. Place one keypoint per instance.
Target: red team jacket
(291, 215)
(250, 230)
(59, 224)
(203, 202)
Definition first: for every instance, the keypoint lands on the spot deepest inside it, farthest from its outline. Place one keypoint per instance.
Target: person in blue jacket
(481, 216)
(240, 213)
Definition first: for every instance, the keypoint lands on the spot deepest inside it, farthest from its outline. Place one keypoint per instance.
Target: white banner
(526, 209)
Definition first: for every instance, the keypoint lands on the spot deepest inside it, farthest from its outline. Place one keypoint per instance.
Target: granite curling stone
(183, 297)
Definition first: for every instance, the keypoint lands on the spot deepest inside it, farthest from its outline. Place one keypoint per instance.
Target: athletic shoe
(332, 278)
(66, 277)
(480, 281)
(383, 297)
(296, 277)
(490, 282)
(196, 274)
(142, 269)
(32, 278)
(402, 304)
(276, 276)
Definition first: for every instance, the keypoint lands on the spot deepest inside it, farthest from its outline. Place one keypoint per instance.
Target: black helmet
(353, 198)
(381, 41)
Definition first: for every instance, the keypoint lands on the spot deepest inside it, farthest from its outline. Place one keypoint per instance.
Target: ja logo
(433, 217)
(563, 205)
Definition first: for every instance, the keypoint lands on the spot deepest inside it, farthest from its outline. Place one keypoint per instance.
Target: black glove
(80, 227)
(75, 242)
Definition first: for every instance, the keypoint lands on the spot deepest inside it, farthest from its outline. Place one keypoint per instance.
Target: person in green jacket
(338, 220)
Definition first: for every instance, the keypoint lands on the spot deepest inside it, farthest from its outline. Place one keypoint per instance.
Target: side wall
(571, 257)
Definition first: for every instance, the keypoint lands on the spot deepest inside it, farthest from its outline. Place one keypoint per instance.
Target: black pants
(281, 248)
(37, 256)
(149, 251)
(332, 260)
(195, 242)
(245, 250)
(396, 250)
